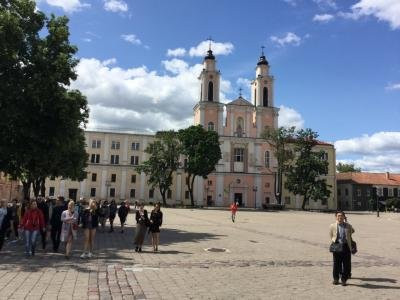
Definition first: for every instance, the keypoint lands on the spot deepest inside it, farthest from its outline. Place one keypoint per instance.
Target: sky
(336, 65)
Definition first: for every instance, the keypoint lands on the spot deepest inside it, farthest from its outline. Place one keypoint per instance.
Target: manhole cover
(216, 250)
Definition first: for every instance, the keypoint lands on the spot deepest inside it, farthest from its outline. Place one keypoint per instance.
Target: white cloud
(289, 117)
(87, 40)
(115, 5)
(383, 10)
(393, 86)
(176, 52)
(378, 163)
(139, 99)
(244, 84)
(131, 38)
(217, 48)
(291, 2)
(324, 18)
(289, 39)
(326, 4)
(67, 5)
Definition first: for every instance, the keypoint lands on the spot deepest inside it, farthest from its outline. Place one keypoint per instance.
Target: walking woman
(341, 237)
(3, 221)
(90, 221)
(32, 222)
(123, 211)
(69, 229)
(113, 212)
(156, 218)
(142, 221)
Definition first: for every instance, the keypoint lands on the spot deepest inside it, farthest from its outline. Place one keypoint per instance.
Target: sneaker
(90, 255)
(335, 282)
(83, 255)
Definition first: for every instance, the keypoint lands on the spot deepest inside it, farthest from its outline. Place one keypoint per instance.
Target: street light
(255, 196)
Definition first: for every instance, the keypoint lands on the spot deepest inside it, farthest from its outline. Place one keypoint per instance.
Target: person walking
(234, 208)
(14, 218)
(112, 213)
(90, 221)
(69, 230)
(32, 223)
(42, 205)
(156, 219)
(104, 214)
(4, 221)
(56, 224)
(341, 237)
(142, 221)
(123, 211)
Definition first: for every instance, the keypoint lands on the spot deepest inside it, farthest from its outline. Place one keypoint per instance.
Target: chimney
(387, 175)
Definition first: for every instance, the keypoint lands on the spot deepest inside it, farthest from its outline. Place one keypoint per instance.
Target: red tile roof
(370, 178)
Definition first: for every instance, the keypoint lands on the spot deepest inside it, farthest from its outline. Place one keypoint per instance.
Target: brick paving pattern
(271, 255)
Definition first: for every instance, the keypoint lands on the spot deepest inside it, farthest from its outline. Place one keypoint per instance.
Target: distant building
(355, 191)
(9, 189)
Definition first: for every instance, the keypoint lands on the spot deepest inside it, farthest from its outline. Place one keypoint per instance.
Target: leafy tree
(303, 178)
(280, 140)
(202, 150)
(163, 161)
(42, 134)
(345, 168)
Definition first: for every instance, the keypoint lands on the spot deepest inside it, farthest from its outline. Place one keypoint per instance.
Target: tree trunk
(190, 187)
(280, 183)
(43, 187)
(36, 187)
(26, 188)
(305, 201)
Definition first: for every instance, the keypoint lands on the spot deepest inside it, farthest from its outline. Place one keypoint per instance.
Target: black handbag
(336, 248)
(353, 247)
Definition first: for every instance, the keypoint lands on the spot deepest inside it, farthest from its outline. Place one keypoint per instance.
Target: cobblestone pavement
(270, 255)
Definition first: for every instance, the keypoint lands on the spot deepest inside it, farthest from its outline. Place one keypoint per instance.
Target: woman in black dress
(90, 221)
(142, 221)
(156, 218)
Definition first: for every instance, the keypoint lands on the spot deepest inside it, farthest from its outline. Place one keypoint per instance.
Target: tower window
(265, 97)
(255, 97)
(239, 127)
(210, 126)
(210, 91)
(267, 159)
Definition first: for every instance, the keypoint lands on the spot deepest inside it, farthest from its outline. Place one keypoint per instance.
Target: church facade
(245, 174)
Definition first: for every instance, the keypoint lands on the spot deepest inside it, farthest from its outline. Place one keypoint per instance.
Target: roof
(240, 101)
(370, 178)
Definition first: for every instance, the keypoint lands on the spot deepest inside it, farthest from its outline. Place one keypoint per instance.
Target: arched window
(210, 91)
(265, 97)
(239, 126)
(266, 159)
(210, 126)
(255, 97)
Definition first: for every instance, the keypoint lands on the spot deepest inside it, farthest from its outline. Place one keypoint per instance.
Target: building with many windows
(246, 173)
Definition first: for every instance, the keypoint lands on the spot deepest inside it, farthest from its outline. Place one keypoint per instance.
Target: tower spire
(262, 60)
(210, 54)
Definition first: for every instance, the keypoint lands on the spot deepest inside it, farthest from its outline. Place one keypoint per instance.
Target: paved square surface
(271, 255)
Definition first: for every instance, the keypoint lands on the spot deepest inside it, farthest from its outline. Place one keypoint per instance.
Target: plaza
(269, 255)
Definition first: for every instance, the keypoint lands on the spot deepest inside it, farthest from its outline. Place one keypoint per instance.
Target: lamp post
(255, 196)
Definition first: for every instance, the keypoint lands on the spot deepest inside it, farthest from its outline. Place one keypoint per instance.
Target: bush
(393, 203)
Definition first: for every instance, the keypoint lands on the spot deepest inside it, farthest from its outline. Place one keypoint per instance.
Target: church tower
(209, 111)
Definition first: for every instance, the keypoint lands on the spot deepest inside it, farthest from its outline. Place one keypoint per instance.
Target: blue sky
(336, 64)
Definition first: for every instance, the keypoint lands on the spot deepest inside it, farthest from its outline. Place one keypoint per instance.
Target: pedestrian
(341, 238)
(142, 221)
(69, 230)
(112, 213)
(90, 221)
(156, 219)
(4, 221)
(104, 214)
(32, 223)
(56, 224)
(123, 211)
(15, 212)
(234, 208)
(42, 205)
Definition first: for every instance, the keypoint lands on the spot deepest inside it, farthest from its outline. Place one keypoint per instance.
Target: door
(209, 200)
(238, 198)
(72, 193)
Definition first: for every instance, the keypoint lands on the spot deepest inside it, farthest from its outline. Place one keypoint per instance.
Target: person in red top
(234, 208)
(32, 222)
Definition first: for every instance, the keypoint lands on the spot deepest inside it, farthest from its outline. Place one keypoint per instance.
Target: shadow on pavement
(376, 279)
(375, 286)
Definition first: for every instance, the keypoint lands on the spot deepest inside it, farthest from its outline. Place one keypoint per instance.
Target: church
(246, 172)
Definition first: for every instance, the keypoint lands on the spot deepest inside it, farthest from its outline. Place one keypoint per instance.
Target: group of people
(35, 217)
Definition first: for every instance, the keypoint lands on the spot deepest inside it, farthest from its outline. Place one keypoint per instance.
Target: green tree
(202, 150)
(345, 168)
(304, 177)
(41, 133)
(163, 161)
(280, 140)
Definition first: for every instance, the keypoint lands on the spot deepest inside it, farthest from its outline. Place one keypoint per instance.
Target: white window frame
(238, 154)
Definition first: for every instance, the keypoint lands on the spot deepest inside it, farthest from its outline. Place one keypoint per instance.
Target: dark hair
(340, 212)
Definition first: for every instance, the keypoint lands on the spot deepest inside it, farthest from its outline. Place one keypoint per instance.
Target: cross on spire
(262, 50)
(240, 92)
(209, 39)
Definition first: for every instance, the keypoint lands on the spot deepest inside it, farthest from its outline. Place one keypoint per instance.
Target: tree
(280, 140)
(41, 133)
(163, 161)
(202, 150)
(304, 177)
(345, 168)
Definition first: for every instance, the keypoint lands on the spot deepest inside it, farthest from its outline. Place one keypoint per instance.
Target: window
(53, 178)
(266, 158)
(133, 178)
(324, 156)
(93, 192)
(339, 192)
(51, 191)
(113, 177)
(238, 154)
(209, 182)
(95, 158)
(368, 193)
(210, 126)
(96, 144)
(187, 195)
(114, 159)
(132, 193)
(112, 192)
(239, 127)
(210, 91)
(94, 177)
(346, 191)
(390, 192)
(266, 200)
(135, 160)
(151, 193)
(115, 145)
(358, 192)
(169, 194)
(265, 97)
(135, 146)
